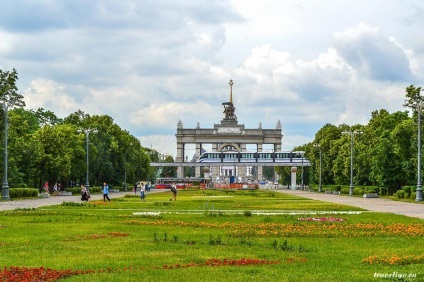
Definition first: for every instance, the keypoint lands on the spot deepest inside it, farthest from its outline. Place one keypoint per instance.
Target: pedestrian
(135, 188)
(148, 186)
(55, 192)
(142, 190)
(174, 191)
(105, 192)
(84, 193)
(46, 187)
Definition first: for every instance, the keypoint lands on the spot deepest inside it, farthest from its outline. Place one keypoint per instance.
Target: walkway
(57, 200)
(371, 204)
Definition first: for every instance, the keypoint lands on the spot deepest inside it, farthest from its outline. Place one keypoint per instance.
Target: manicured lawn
(213, 236)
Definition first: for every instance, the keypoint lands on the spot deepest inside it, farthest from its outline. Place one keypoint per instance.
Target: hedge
(77, 190)
(23, 192)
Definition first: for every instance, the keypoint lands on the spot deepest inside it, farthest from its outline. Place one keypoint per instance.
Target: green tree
(24, 150)
(169, 171)
(404, 138)
(61, 149)
(10, 97)
(46, 117)
(8, 88)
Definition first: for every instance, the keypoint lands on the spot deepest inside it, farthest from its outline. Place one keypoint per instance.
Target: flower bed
(27, 274)
(330, 219)
(394, 259)
(224, 262)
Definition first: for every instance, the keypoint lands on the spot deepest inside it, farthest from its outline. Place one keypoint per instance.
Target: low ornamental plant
(394, 259)
(223, 262)
(330, 219)
(27, 274)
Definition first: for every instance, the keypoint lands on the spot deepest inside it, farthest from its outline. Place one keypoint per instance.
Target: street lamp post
(320, 167)
(302, 153)
(7, 104)
(87, 133)
(125, 169)
(303, 186)
(352, 134)
(418, 106)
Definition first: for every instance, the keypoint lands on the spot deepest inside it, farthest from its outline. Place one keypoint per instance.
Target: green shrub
(338, 187)
(95, 189)
(413, 195)
(400, 194)
(372, 189)
(29, 192)
(407, 190)
(23, 192)
(345, 190)
(358, 191)
(75, 190)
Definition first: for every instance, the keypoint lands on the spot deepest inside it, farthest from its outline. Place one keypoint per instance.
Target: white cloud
(51, 95)
(149, 64)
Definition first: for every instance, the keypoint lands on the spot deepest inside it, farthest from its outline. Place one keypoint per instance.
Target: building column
(197, 168)
(260, 171)
(242, 170)
(277, 147)
(276, 176)
(214, 171)
(293, 178)
(180, 158)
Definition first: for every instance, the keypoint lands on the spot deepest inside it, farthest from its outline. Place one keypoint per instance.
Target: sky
(150, 63)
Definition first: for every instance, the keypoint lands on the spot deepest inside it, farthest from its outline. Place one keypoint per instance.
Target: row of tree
(43, 147)
(385, 150)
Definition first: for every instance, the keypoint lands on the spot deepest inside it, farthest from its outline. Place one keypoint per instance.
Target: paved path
(57, 200)
(371, 204)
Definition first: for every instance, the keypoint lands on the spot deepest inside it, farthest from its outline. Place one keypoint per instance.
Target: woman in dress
(84, 193)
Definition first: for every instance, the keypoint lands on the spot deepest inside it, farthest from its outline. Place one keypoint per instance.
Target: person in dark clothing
(84, 193)
(105, 192)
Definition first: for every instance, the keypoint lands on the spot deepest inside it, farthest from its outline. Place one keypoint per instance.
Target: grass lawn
(209, 235)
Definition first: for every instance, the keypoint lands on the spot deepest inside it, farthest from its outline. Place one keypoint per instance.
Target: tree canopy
(43, 147)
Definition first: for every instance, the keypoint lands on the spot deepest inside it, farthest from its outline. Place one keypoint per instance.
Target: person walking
(142, 191)
(135, 188)
(84, 193)
(105, 192)
(174, 191)
(46, 187)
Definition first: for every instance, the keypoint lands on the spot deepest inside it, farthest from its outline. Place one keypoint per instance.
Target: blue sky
(148, 64)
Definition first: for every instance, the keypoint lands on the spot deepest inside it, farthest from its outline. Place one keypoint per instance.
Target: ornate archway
(227, 147)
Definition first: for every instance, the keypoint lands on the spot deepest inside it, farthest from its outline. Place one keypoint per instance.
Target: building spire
(231, 91)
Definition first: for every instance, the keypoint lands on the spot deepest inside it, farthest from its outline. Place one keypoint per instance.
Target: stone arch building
(228, 133)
